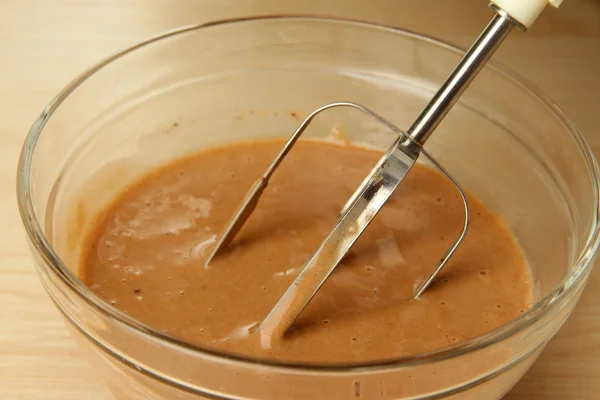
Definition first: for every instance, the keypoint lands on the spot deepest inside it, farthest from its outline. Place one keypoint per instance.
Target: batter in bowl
(146, 257)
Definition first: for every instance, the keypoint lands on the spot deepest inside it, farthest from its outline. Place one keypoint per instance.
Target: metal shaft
(460, 78)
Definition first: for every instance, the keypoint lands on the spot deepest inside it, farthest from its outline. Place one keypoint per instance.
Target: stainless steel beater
(387, 175)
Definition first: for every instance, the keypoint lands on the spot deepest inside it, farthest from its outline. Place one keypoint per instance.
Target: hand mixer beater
(385, 177)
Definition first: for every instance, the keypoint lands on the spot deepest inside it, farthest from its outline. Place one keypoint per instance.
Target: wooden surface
(43, 44)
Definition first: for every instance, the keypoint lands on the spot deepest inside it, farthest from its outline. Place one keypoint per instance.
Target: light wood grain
(43, 44)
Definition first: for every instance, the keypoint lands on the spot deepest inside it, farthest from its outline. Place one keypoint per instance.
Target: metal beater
(386, 176)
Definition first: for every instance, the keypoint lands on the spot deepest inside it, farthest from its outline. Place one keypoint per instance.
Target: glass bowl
(208, 85)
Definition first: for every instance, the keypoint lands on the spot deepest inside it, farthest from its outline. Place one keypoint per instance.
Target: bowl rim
(40, 244)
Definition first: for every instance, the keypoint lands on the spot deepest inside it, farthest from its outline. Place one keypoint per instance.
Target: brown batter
(146, 257)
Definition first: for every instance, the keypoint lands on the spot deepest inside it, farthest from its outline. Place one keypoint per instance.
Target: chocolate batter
(146, 257)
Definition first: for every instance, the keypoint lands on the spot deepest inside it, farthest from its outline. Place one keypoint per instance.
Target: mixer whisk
(385, 177)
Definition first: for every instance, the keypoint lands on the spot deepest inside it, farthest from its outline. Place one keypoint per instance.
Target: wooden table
(43, 44)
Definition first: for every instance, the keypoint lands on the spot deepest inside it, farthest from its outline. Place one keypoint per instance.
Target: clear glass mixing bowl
(208, 85)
